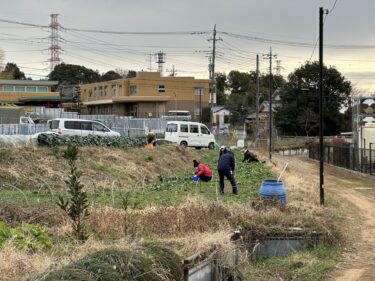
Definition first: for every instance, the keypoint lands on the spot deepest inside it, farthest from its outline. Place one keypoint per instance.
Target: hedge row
(120, 142)
(147, 262)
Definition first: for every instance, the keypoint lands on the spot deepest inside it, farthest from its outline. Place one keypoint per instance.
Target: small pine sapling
(76, 207)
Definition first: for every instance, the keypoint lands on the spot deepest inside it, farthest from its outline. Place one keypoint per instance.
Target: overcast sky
(349, 35)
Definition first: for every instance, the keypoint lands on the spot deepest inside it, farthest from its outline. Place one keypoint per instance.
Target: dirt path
(361, 265)
(359, 262)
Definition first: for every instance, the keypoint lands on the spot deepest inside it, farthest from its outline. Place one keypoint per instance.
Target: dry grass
(193, 226)
(103, 168)
(16, 264)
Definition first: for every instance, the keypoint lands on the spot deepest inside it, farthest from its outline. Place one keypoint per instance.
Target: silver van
(80, 127)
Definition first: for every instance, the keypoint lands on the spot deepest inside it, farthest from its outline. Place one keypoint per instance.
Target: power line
(333, 7)
(113, 32)
(138, 33)
(295, 43)
(24, 23)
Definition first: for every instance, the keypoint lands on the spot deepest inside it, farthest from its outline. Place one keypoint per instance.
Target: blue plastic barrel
(273, 189)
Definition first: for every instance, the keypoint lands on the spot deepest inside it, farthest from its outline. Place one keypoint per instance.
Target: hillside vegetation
(136, 194)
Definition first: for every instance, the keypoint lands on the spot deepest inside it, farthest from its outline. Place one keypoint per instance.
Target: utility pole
(213, 84)
(150, 61)
(257, 101)
(321, 124)
(213, 66)
(200, 105)
(278, 67)
(270, 56)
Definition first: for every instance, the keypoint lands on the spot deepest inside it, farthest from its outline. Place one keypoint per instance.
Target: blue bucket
(273, 189)
(195, 178)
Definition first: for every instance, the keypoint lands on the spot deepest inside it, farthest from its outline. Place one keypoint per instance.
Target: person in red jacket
(203, 172)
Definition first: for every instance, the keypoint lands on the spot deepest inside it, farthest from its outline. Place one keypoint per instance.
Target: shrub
(130, 264)
(119, 142)
(28, 236)
(338, 141)
(147, 262)
(164, 259)
(67, 273)
(77, 206)
(102, 271)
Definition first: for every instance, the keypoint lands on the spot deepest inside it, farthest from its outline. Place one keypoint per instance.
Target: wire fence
(346, 156)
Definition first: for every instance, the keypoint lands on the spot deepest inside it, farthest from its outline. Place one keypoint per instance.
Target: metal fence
(346, 156)
(17, 129)
(131, 127)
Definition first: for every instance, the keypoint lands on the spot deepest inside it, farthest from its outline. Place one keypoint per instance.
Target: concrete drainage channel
(209, 266)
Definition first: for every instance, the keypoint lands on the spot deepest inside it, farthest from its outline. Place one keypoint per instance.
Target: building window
(105, 90)
(42, 89)
(199, 91)
(161, 89)
(31, 89)
(19, 88)
(8, 88)
(90, 93)
(113, 90)
(133, 89)
(95, 92)
(101, 91)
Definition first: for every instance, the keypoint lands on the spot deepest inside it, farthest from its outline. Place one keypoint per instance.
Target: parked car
(80, 127)
(190, 134)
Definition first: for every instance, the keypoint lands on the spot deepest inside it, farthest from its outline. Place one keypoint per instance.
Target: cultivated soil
(357, 191)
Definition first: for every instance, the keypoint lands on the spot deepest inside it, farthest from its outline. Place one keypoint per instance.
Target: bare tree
(309, 119)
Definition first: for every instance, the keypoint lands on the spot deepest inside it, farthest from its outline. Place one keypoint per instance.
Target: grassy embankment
(164, 204)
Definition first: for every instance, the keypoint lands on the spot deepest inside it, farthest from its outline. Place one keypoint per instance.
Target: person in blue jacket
(225, 168)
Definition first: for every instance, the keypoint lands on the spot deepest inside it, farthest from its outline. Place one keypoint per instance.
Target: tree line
(236, 91)
(298, 113)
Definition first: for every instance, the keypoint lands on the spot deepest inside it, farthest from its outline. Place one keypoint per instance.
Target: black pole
(321, 128)
(270, 104)
(200, 105)
(370, 160)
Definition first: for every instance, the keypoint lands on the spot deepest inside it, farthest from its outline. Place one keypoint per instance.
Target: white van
(191, 134)
(80, 127)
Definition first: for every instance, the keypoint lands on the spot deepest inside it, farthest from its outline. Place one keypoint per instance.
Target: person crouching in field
(248, 156)
(203, 172)
(150, 141)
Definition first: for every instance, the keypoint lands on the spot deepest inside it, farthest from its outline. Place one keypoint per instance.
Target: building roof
(29, 82)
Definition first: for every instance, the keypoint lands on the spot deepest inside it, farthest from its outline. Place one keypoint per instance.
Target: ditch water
(206, 266)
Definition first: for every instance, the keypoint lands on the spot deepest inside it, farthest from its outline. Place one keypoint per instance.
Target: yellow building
(146, 95)
(29, 92)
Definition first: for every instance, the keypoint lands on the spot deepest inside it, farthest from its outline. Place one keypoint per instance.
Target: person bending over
(203, 172)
